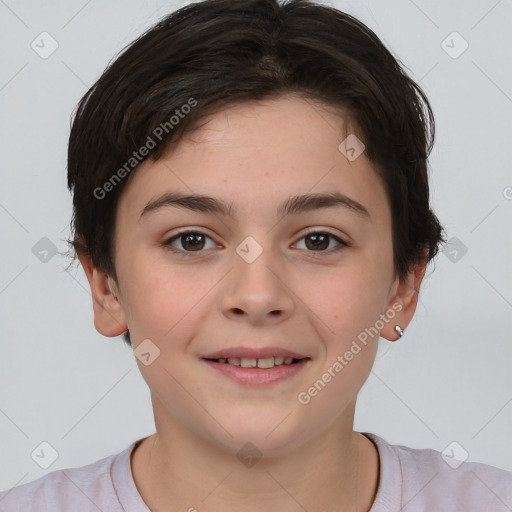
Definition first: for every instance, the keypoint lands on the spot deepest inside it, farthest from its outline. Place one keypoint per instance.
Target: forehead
(257, 154)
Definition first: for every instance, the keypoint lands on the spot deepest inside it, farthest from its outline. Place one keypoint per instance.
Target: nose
(257, 292)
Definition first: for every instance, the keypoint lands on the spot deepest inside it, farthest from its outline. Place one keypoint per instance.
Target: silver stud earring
(399, 330)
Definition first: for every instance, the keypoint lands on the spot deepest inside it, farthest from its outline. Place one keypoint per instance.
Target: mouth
(260, 363)
(256, 367)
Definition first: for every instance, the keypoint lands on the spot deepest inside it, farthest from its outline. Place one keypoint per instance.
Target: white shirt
(410, 480)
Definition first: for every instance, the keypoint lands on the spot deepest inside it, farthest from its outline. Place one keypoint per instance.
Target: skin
(294, 295)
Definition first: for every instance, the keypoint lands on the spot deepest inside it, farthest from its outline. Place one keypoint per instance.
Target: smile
(249, 362)
(258, 372)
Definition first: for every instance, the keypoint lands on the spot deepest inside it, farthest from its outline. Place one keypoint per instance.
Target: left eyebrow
(291, 206)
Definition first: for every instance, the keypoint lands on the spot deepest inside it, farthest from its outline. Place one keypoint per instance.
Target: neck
(174, 469)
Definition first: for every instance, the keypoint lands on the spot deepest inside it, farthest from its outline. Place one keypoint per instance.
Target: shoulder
(429, 479)
(84, 488)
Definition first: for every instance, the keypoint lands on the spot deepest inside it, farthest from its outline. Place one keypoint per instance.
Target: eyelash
(342, 244)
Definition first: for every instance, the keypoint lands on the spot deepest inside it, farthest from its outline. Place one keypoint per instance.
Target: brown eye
(319, 241)
(188, 242)
(192, 241)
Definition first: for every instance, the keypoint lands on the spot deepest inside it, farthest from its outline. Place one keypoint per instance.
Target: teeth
(268, 362)
(249, 362)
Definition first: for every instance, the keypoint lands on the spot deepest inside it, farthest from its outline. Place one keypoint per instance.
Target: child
(289, 140)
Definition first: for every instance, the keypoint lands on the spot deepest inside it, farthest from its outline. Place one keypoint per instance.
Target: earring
(399, 330)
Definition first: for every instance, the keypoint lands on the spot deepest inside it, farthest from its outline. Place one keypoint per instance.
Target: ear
(109, 316)
(404, 293)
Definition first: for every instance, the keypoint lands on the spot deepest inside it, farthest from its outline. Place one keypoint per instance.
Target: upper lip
(253, 353)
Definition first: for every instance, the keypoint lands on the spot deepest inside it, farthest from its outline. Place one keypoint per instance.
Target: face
(303, 276)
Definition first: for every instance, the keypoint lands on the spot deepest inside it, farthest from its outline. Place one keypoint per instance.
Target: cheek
(346, 312)
(151, 302)
(164, 300)
(347, 299)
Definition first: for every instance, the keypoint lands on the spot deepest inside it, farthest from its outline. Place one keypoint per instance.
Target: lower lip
(258, 376)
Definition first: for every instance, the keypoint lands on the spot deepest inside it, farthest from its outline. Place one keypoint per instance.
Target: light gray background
(448, 379)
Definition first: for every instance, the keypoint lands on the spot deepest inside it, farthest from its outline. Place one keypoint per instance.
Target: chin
(266, 437)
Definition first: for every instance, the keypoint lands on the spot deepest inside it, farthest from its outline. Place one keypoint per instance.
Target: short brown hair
(218, 52)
